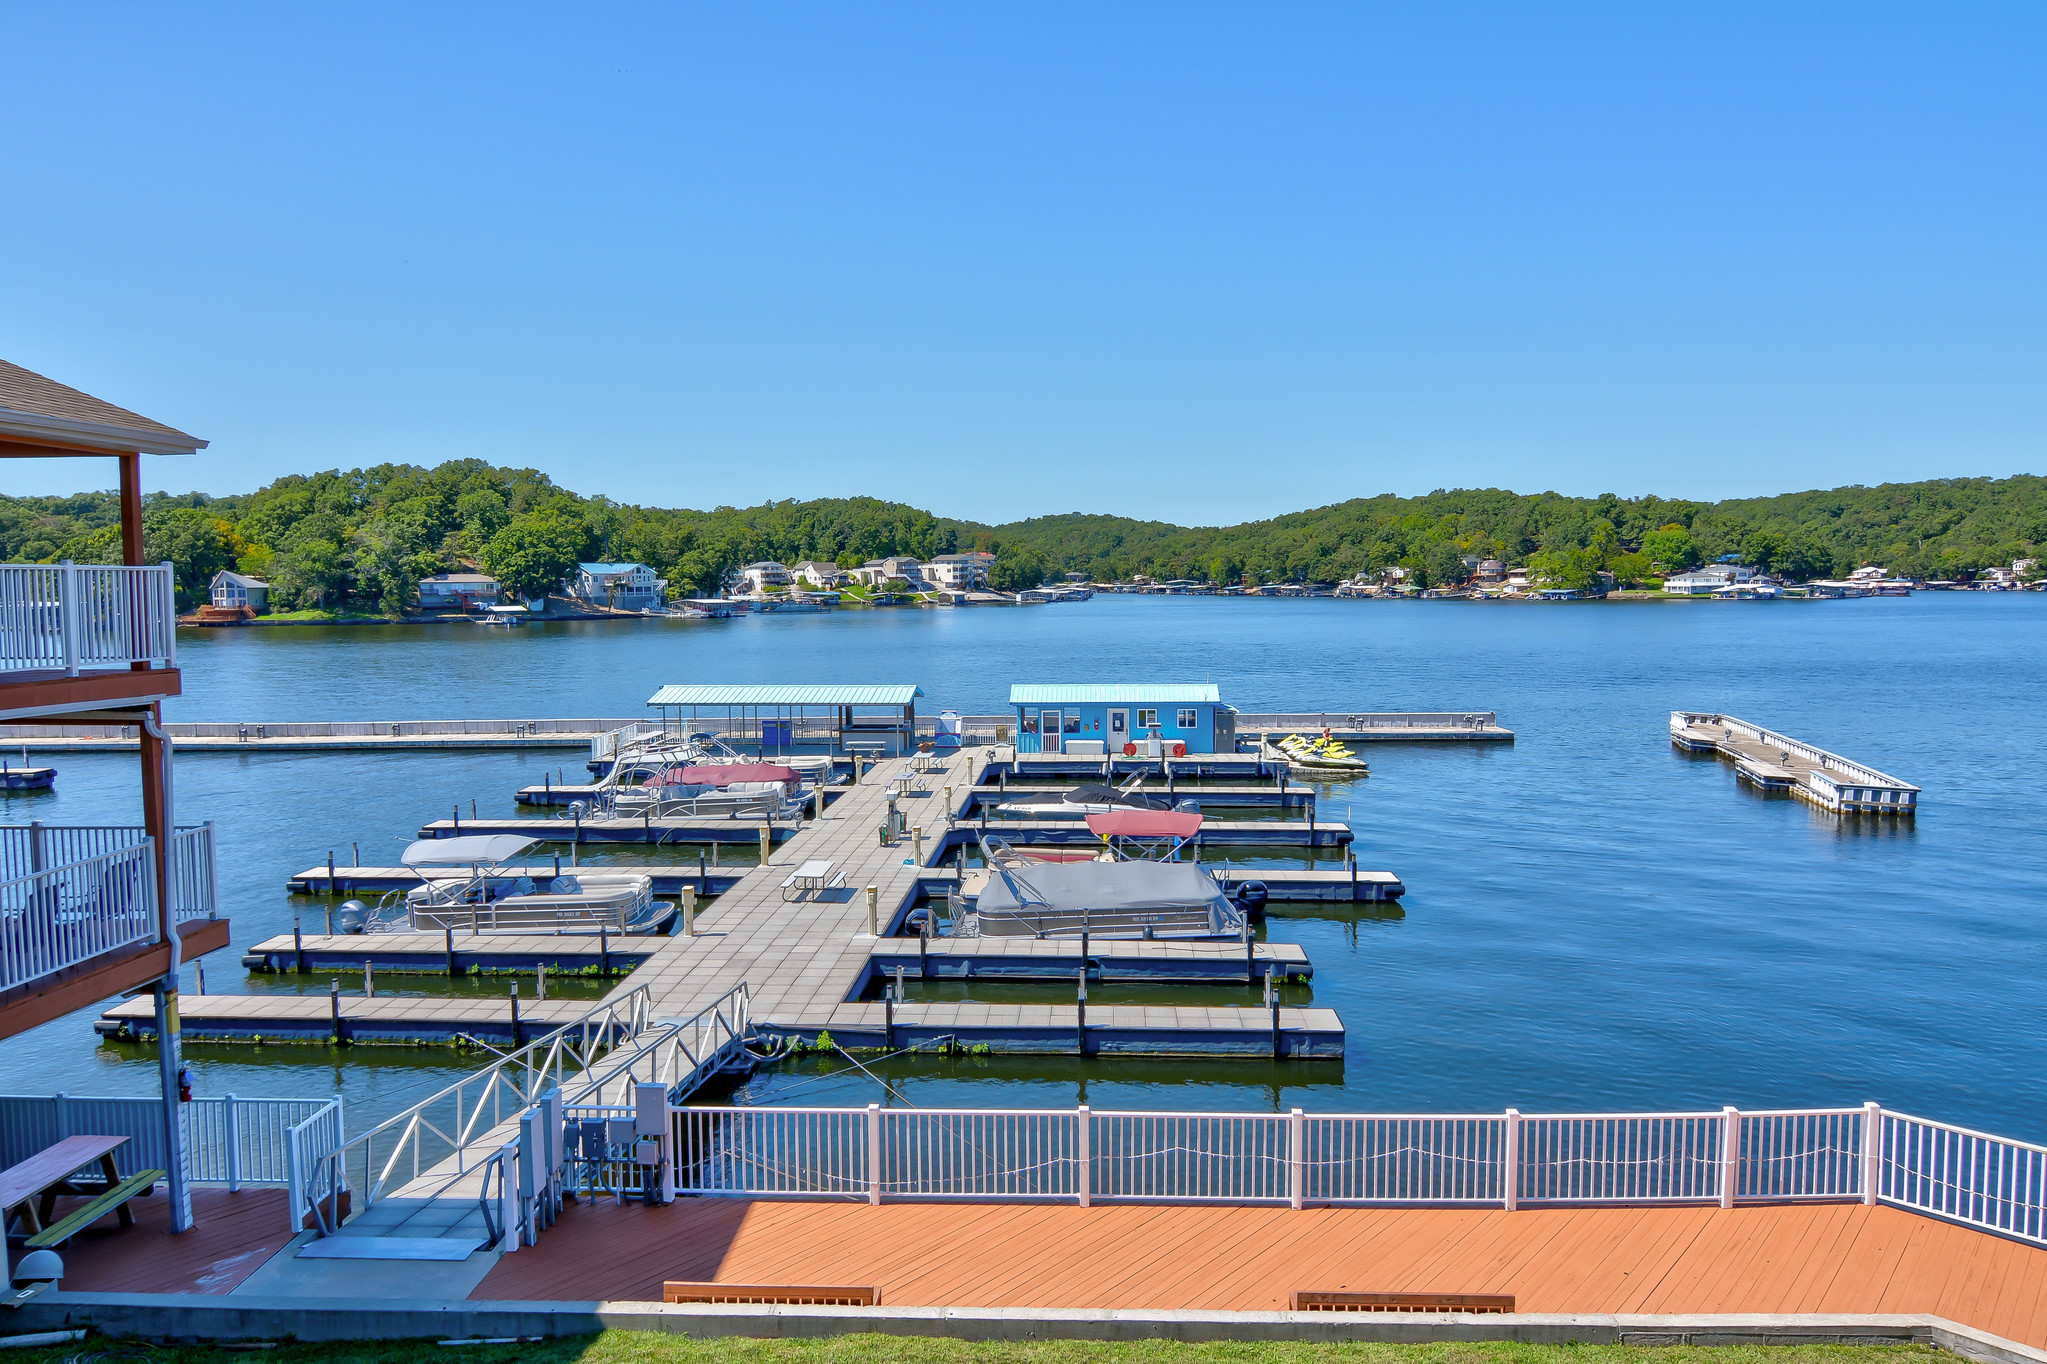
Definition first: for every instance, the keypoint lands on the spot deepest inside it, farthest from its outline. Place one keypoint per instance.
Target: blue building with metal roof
(1186, 717)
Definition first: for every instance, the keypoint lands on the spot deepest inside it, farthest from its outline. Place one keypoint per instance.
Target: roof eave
(100, 435)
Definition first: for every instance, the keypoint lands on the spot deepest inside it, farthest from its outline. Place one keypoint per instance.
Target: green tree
(1445, 564)
(1016, 570)
(1672, 547)
(1574, 569)
(1631, 568)
(198, 545)
(531, 556)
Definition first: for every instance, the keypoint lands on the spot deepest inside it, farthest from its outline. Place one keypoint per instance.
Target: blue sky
(1195, 262)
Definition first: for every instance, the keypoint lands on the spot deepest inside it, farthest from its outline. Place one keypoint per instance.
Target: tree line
(361, 540)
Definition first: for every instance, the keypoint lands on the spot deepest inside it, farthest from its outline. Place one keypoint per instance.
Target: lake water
(1594, 920)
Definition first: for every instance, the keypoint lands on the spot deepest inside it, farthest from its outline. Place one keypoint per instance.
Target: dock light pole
(334, 1008)
(766, 835)
(1080, 1005)
(917, 844)
(873, 911)
(689, 912)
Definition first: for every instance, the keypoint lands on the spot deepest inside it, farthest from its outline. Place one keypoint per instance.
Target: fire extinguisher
(184, 1084)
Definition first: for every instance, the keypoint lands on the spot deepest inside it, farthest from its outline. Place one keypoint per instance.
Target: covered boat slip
(874, 719)
(1123, 899)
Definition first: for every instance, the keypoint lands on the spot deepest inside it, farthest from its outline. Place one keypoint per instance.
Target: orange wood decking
(232, 1235)
(1801, 1258)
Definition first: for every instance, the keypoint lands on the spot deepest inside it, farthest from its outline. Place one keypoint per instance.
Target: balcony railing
(71, 618)
(69, 894)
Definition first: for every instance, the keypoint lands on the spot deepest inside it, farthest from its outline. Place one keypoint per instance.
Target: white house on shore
(875, 572)
(757, 578)
(622, 587)
(230, 590)
(817, 573)
(959, 572)
(457, 591)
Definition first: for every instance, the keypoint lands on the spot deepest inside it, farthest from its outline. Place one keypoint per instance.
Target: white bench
(810, 878)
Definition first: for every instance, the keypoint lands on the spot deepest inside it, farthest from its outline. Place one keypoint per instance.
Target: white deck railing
(73, 913)
(1499, 1159)
(72, 617)
(228, 1140)
(28, 849)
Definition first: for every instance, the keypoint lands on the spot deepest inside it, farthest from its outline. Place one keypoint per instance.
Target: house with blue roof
(622, 587)
(1186, 717)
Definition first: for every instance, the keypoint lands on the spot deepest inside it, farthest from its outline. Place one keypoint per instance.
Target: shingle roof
(34, 406)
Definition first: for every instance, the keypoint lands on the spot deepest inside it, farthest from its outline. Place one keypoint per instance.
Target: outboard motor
(914, 921)
(1250, 898)
(351, 917)
(1189, 807)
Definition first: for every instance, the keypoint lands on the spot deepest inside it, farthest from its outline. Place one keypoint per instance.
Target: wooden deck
(1833, 1257)
(233, 1234)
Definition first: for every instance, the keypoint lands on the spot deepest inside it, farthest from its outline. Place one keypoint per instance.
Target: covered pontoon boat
(470, 885)
(1108, 899)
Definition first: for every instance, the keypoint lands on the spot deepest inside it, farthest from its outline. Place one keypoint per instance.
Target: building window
(1073, 722)
(1147, 719)
(1030, 722)
(1189, 719)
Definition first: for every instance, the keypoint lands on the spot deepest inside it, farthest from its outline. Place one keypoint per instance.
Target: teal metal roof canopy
(894, 694)
(1116, 694)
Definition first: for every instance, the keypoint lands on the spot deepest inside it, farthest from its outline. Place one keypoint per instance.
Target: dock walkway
(1777, 762)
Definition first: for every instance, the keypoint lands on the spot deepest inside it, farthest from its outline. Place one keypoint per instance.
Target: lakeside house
(622, 587)
(756, 579)
(231, 591)
(820, 574)
(959, 572)
(457, 591)
(875, 572)
(1097, 718)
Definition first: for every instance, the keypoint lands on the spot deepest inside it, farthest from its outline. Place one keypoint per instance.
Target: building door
(1119, 730)
(1048, 730)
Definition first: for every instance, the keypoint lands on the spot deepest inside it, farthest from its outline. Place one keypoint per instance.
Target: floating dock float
(400, 1020)
(1215, 833)
(669, 879)
(1108, 960)
(433, 954)
(644, 830)
(1771, 761)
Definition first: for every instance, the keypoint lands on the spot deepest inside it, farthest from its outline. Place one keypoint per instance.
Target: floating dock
(1771, 761)
(434, 954)
(680, 832)
(808, 958)
(669, 880)
(1122, 960)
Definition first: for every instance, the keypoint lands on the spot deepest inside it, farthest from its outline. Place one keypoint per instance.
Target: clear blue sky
(1196, 262)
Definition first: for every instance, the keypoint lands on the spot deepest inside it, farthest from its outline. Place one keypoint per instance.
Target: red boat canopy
(724, 774)
(1145, 824)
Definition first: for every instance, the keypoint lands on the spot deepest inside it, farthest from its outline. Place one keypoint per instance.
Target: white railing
(678, 1053)
(1494, 1159)
(27, 849)
(313, 1177)
(73, 913)
(70, 617)
(228, 1140)
(1356, 720)
(1965, 1176)
(459, 1121)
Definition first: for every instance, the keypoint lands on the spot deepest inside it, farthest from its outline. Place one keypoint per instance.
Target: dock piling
(458, 819)
(1272, 1003)
(1250, 949)
(540, 982)
(200, 967)
(1080, 1023)
(450, 931)
(330, 918)
(334, 1008)
(369, 979)
(515, 1015)
(298, 944)
(924, 948)
(330, 871)
(603, 949)
(355, 851)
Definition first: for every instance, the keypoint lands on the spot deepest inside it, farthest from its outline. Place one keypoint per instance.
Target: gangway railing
(453, 1128)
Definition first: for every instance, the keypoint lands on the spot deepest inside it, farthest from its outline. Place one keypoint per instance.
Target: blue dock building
(1185, 717)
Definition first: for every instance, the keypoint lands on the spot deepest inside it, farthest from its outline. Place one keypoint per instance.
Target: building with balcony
(232, 591)
(622, 587)
(762, 577)
(90, 913)
(959, 572)
(457, 591)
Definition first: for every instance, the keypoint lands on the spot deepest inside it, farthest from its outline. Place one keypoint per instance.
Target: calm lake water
(1594, 920)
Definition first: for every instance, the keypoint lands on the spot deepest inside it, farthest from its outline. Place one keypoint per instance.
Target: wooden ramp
(1832, 1257)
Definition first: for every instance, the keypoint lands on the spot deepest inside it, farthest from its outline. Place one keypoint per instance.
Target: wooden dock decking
(1812, 1257)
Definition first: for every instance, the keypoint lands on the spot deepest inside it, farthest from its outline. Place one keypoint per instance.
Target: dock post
(1272, 1003)
(330, 918)
(330, 871)
(603, 949)
(334, 1008)
(924, 948)
(689, 912)
(449, 929)
(369, 979)
(540, 981)
(873, 911)
(703, 885)
(1080, 1034)
(1250, 949)
(298, 944)
(458, 819)
(766, 835)
(578, 808)
(355, 851)
(515, 1015)
(888, 1020)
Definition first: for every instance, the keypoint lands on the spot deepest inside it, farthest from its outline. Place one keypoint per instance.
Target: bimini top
(1116, 694)
(887, 695)
(1145, 824)
(468, 851)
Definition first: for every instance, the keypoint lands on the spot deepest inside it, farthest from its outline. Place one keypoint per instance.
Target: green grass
(636, 1347)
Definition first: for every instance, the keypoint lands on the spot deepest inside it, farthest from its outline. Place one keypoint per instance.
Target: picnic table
(34, 1184)
(810, 878)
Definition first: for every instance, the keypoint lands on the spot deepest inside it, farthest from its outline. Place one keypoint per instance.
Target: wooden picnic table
(48, 1172)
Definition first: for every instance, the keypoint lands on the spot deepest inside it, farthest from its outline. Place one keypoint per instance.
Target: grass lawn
(635, 1347)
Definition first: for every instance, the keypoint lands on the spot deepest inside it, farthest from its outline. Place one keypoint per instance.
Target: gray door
(1119, 730)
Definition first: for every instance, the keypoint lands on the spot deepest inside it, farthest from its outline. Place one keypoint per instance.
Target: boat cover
(467, 851)
(1145, 824)
(1103, 887)
(724, 774)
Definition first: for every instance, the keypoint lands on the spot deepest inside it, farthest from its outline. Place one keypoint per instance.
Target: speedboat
(471, 885)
